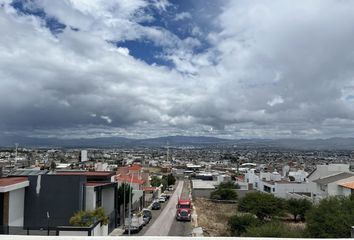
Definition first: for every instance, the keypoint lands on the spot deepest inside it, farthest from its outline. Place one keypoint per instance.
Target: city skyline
(139, 69)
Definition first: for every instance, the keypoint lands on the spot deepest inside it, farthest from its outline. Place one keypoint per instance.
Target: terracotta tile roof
(7, 181)
(87, 173)
(348, 185)
(135, 168)
(128, 179)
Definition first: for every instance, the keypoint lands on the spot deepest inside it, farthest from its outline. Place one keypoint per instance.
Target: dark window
(184, 206)
(98, 198)
(266, 189)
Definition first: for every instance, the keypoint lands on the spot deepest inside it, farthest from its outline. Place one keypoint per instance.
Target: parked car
(162, 199)
(156, 206)
(137, 223)
(170, 188)
(147, 215)
(167, 196)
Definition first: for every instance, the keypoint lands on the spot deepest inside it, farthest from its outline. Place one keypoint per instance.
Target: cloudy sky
(147, 68)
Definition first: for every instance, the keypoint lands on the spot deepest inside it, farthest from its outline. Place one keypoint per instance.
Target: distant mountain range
(111, 142)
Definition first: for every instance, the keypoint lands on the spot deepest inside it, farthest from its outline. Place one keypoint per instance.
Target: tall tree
(124, 187)
(298, 207)
(331, 218)
(262, 205)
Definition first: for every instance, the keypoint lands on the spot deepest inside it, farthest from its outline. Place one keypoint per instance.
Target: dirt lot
(212, 217)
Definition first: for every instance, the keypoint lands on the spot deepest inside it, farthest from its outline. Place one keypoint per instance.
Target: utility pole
(123, 202)
(130, 204)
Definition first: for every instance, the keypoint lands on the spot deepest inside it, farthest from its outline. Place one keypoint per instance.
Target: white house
(12, 194)
(329, 185)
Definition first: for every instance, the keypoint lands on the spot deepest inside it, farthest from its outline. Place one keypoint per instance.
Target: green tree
(170, 179)
(239, 223)
(229, 184)
(124, 187)
(298, 207)
(262, 205)
(155, 181)
(274, 229)
(224, 194)
(331, 218)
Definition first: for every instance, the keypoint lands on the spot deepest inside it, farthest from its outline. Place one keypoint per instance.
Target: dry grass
(212, 217)
(153, 170)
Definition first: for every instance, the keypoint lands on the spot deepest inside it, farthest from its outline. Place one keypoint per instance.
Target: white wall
(16, 207)
(90, 199)
(108, 200)
(73, 233)
(97, 230)
(282, 189)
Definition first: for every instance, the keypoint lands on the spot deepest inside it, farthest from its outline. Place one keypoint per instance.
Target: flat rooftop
(200, 184)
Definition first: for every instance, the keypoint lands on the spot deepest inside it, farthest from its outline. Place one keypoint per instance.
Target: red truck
(184, 210)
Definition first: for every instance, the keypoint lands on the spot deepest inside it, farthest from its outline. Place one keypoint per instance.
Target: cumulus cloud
(261, 69)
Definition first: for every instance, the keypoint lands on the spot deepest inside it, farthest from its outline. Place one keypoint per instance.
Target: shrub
(331, 218)
(87, 218)
(298, 207)
(262, 205)
(239, 223)
(224, 194)
(274, 229)
(229, 185)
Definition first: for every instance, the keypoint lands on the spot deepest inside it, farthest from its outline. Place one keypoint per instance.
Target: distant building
(83, 155)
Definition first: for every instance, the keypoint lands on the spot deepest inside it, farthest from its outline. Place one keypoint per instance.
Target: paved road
(180, 228)
(162, 225)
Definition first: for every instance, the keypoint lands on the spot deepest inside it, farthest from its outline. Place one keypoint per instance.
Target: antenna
(167, 151)
(16, 147)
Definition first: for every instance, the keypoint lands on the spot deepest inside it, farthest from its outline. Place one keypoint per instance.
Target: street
(180, 228)
(165, 224)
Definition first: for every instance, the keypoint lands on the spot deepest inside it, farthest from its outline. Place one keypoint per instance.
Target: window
(98, 198)
(273, 189)
(266, 189)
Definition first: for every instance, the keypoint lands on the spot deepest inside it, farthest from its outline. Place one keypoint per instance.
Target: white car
(170, 188)
(162, 199)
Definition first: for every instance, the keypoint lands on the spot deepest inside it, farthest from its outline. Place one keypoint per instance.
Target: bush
(298, 207)
(239, 223)
(87, 218)
(262, 205)
(229, 185)
(223, 194)
(170, 179)
(274, 229)
(331, 218)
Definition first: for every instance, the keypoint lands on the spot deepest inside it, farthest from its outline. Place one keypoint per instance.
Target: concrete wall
(73, 233)
(241, 193)
(90, 203)
(204, 193)
(108, 200)
(16, 207)
(60, 195)
(281, 190)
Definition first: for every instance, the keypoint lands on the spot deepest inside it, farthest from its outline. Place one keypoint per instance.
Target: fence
(9, 230)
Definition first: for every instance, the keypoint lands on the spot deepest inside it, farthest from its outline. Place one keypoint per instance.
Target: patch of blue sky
(28, 7)
(146, 51)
